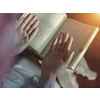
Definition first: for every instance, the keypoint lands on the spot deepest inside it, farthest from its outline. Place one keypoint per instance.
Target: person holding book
(56, 60)
(52, 24)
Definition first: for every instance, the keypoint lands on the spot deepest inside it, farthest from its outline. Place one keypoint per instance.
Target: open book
(51, 25)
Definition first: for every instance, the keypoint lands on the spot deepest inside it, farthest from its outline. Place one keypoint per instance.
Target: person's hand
(58, 57)
(25, 33)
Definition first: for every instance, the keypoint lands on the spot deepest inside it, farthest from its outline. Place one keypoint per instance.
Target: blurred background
(93, 53)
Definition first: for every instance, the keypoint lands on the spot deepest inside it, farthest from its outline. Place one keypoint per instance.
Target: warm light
(98, 14)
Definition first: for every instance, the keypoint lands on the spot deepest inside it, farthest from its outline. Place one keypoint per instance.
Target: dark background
(93, 53)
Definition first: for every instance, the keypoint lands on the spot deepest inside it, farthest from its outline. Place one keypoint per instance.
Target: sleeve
(46, 84)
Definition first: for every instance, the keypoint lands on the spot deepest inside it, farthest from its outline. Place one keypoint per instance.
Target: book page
(48, 26)
(80, 32)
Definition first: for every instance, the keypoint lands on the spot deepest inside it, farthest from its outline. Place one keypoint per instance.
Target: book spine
(77, 59)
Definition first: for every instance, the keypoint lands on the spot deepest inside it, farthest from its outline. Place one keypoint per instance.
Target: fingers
(64, 40)
(27, 26)
(25, 21)
(29, 23)
(69, 57)
(33, 26)
(63, 43)
(33, 33)
(68, 44)
(59, 41)
(28, 38)
(53, 46)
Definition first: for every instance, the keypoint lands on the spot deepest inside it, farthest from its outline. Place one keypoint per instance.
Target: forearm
(48, 76)
(46, 84)
(47, 80)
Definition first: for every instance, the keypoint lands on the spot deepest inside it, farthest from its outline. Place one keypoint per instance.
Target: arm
(57, 59)
(15, 42)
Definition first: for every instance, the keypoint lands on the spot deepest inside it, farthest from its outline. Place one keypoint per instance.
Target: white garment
(21, 74)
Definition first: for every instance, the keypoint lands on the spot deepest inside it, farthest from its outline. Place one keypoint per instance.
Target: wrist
(47, 76)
